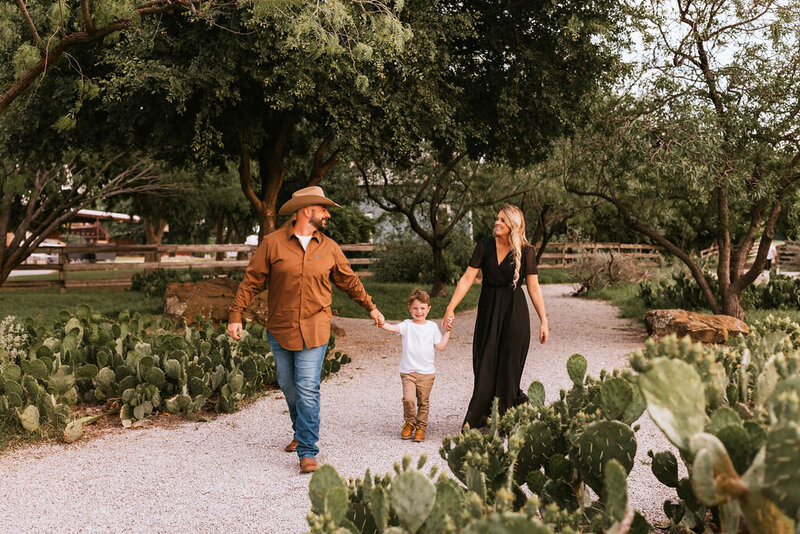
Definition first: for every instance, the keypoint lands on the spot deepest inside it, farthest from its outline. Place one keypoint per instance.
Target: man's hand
(377, 316)
(235, 330)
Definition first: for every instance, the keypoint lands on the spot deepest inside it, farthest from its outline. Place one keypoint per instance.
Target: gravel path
(231, 474)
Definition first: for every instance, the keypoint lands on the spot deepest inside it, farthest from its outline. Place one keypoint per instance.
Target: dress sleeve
(477, 255)
(529, 260)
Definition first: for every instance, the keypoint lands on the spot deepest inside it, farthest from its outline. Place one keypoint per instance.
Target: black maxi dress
(502, 332)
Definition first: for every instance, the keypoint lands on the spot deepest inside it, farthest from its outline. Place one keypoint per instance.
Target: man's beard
(318, 222)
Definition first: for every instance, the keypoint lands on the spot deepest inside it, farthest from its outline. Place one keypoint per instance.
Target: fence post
(63, 260)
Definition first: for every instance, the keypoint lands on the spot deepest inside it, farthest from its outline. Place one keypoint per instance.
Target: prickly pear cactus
(413, 496)
(782, 465)
(616, 394)
(599, 443)
(665, 468)
(576, 368)
(675, 399)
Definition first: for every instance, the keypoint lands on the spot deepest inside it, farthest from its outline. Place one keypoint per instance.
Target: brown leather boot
(308, 465)
(291, 447)
(408, 430)
(419, 435)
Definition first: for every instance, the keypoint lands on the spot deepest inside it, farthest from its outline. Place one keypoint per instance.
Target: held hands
(448, 320)
(235, 330)
(377, 316)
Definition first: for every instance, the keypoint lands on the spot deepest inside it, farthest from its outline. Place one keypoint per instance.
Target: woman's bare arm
(462, 288)
(535, 292)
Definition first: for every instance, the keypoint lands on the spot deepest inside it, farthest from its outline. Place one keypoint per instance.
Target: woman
(502, 329)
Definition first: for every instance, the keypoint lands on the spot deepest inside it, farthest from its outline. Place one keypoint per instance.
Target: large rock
(700, 327)
(210, 299)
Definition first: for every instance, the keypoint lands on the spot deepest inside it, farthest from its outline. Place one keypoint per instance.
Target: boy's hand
(377, 316)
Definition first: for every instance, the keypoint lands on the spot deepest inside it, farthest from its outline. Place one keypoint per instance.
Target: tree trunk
(439, 274)
(154, 232)
(731, 304)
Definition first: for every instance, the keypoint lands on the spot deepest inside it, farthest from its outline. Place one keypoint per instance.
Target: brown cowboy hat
(308, 196)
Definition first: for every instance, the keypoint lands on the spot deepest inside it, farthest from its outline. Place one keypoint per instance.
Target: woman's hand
(544, 333)
(448, 320)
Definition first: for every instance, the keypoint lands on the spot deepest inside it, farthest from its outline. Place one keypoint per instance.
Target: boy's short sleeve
(437, 334)
(403, 326)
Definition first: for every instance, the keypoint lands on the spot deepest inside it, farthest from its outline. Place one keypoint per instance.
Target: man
(299, 262)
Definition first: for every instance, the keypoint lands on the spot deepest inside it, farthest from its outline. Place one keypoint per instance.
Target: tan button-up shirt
(299, 283)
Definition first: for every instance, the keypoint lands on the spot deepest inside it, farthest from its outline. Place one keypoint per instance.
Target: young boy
(417, 372)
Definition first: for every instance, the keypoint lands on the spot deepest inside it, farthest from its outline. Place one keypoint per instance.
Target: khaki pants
(416, 392)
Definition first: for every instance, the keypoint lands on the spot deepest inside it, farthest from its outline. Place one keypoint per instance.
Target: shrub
(682, 291)
(154, 283)
(406, 258)
(349, 225)
(602, 269)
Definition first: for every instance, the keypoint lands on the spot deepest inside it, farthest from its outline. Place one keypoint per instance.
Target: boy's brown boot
(419, 435)
(408, 430)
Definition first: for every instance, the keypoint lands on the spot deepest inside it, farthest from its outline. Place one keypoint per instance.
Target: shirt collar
(290, 233)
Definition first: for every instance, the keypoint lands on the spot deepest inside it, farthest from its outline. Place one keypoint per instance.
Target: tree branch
(29, 20)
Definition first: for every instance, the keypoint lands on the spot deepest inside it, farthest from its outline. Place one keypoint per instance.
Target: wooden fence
(562, 254)
(123, 259)
(788, 254)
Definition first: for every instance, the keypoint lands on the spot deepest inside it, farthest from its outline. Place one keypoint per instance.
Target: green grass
(623, 296)
(392, 300)
(49, 302)
(79, 275)
(555, 276)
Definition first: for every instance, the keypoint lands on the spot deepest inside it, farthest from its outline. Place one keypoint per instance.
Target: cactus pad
(536, 394)
(576, 368)
(675, 398)
(323, 480)
(665, 468)
(615, 396)
(782, 456)
(599, 443)
(30, 418)
(413, 496)
(615, 492)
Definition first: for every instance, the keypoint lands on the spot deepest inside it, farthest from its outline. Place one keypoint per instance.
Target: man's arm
(255, 275)
(345, 279)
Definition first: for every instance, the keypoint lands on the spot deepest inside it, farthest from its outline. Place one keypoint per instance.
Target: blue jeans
(298, 376)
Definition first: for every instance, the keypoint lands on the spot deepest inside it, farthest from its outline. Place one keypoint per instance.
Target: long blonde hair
(515, 220)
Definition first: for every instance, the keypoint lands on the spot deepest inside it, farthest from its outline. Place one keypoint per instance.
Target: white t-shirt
(771, 252)
(304, 240)
(418, 346)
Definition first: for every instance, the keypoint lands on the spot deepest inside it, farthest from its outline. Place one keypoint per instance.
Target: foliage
(348, 224)
(154, 283)
(685, 153)
(601, 269)
(406, 258)
(137, 366)
(13, 340)
(780, 292)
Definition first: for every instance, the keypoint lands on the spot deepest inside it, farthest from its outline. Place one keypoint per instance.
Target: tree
(435, 197)
(38, 34)
(34, 203)
(263, 85)
(713, 144)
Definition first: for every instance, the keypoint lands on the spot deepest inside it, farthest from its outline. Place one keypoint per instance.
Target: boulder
(700, 327)
(210, 299)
